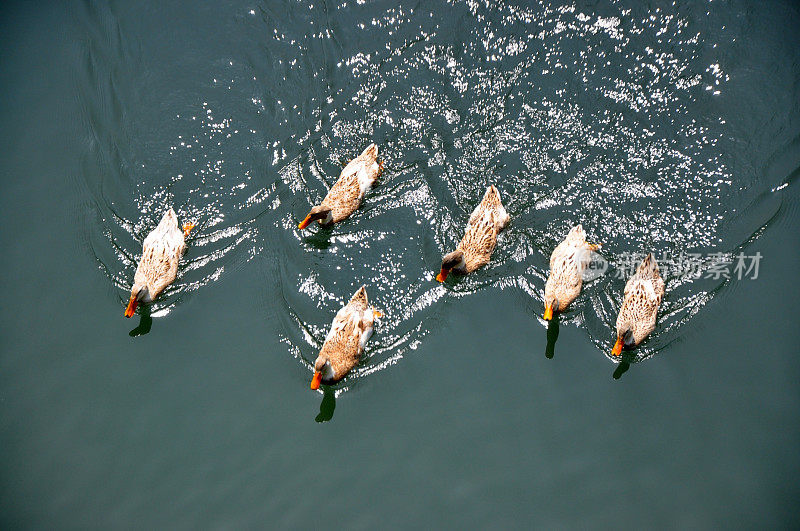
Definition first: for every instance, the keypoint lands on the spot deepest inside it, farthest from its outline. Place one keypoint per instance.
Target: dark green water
(667, 129)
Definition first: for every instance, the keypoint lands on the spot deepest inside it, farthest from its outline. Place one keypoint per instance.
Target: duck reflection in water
(145, 322)
(321, 238)
(621, 369)
(552, 336)
(328, 404)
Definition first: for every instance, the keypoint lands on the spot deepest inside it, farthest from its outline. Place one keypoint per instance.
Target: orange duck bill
(316, 380)
(548, 312)
(132, 304)
(442, 276)
(617, 350)
(305, 223)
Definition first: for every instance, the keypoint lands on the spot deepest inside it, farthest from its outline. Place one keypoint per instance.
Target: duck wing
(479, 239)
(343, 198)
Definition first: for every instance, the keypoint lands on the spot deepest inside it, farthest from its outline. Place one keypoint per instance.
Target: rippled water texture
(618, 117)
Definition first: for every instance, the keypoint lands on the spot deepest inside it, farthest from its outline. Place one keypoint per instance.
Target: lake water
(672, 129)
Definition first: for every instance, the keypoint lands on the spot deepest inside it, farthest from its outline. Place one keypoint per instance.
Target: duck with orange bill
(567, 264)
(161, 251)
(348, 192)
(637, 316)
(344, 344)
(480, 237)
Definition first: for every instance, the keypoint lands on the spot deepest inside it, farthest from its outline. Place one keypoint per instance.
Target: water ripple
(597, 117)
(616, 116)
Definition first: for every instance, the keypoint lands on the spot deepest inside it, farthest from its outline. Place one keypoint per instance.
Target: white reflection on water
(605, 116)
(578, 116)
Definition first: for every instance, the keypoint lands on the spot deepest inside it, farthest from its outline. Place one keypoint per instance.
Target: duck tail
(371, 151)
(577, 232)
(492, 197)
(169, 219)
(649, 267)
(492, 201)
(360, 298)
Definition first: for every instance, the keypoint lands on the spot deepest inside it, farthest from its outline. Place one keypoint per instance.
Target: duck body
(480, 236)
(643, 294)
(567, 264)
(344, 344)
(158, 267)
(346, 195)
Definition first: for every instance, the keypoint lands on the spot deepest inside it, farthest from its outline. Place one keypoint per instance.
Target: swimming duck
(158, 267)
(350, 330)
(567, 263)
(480, 238)
(347, 193)
(637, 317)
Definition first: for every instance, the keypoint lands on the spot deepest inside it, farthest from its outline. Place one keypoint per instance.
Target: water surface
(672, 130)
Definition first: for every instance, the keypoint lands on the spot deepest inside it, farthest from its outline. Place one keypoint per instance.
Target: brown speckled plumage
(161, 252)
(567, 264)
(356, 178)
(480, 237)
(345, 342)
(643, 294)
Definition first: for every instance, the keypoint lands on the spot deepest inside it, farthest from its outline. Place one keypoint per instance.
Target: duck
(637, 316)
(161, 251)
(348, 192)
(344, 344)
(567, 264)
(480, 237)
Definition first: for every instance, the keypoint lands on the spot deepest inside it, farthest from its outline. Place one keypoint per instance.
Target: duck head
(624, 339)
(551, 305)
(322, 369)
(138, 293)
(454, 260)
(318, 213)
